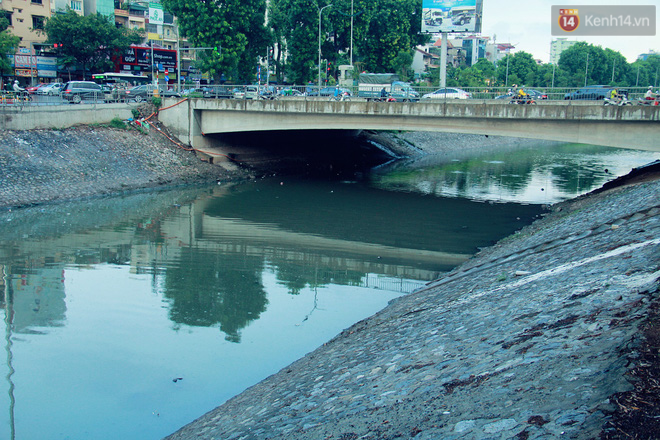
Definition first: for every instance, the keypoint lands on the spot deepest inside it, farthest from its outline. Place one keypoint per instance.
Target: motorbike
(648, 102)
(343, 96)
(620, 101)
(524, 99)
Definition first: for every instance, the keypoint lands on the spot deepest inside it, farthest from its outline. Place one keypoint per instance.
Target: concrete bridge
(636, 127)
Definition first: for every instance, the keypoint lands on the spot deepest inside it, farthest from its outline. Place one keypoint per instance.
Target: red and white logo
(568, 19)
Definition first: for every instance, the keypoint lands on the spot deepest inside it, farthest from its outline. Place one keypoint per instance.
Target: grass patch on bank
(118, 123)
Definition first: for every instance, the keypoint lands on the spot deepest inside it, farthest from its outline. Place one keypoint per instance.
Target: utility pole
(443, 61)
(351, 32)
(319, 78)
(586, 70)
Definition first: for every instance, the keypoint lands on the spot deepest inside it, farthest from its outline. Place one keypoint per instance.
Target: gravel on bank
(39, 166)
(530, 339)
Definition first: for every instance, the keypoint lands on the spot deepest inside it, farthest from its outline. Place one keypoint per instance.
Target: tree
(520, 69)
(8, 45)
(486, 68)
(392, 26)
(297, 26)
(645, 72)
(402, 64)
(585, 64)
(237, 26)
(91, 41)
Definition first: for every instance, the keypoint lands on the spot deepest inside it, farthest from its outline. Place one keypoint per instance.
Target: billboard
(140, 58)
(156, 14)
(451, 16)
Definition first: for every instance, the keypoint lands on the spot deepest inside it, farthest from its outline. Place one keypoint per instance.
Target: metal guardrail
(22, 99)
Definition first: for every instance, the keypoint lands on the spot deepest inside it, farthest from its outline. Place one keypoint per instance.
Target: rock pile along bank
(530, 339)
(40, 166)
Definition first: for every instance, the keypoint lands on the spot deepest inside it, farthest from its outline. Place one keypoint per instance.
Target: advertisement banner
(440, 16)
(141, 56)
(25, 73)
(156, 14)
(25, 61)
(47, 67)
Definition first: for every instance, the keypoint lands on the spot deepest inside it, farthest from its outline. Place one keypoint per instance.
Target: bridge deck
(635, 127)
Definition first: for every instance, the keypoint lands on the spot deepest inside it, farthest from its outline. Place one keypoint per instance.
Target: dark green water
(128, 317)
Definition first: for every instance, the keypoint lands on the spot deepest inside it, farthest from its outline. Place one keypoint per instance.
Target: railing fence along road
(308, 92)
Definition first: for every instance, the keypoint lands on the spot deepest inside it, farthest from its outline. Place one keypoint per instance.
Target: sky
(526, 25)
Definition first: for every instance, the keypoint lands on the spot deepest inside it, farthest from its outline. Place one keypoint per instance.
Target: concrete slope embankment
(528, 339)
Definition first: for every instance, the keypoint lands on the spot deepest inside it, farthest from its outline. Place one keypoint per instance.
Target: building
(645, 56)
(557, 47)
(26, 19)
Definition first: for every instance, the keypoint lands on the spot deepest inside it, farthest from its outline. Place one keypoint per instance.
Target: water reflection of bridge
(243, 237)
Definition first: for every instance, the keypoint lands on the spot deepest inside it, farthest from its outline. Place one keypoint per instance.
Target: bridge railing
(307, 92)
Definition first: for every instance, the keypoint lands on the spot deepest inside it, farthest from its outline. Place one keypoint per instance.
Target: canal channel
(130, 316)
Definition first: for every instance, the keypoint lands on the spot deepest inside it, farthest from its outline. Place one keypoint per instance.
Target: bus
(115, 79)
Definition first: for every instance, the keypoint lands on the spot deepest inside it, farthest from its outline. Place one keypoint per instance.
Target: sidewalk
(527, 340)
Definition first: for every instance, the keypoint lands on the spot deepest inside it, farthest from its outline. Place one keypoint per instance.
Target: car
(33, 89)
(77, 91)
(238, 92)
(251, 92)
(50, 89)
(140, 93)
(166, 92)
(217, 92)
(593, 93)
(325, 91)
(448, 93)
(535, 94)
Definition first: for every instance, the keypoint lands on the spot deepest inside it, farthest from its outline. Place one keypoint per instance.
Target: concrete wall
(30, 117)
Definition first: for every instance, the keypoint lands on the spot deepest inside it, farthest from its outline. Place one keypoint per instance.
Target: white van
(251, 92)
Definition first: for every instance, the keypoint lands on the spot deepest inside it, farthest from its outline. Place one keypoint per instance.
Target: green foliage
(136, 113)
(118, 123)
(384, 33)
(156, 101)
(392, 26)
(229, 25)
(8, 45)
(402, 64)
(519, 69)
(89, 41)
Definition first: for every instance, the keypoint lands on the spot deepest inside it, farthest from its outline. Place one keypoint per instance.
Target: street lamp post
(351, 32)
(320, 11)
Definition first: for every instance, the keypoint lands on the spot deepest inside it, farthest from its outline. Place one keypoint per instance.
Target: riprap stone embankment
(38, 166)
(527, 340)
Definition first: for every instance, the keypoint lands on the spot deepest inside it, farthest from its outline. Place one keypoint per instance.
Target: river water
(128, 317)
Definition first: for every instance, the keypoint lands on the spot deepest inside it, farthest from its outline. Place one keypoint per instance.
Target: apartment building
(557, 46)
(26, 18)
